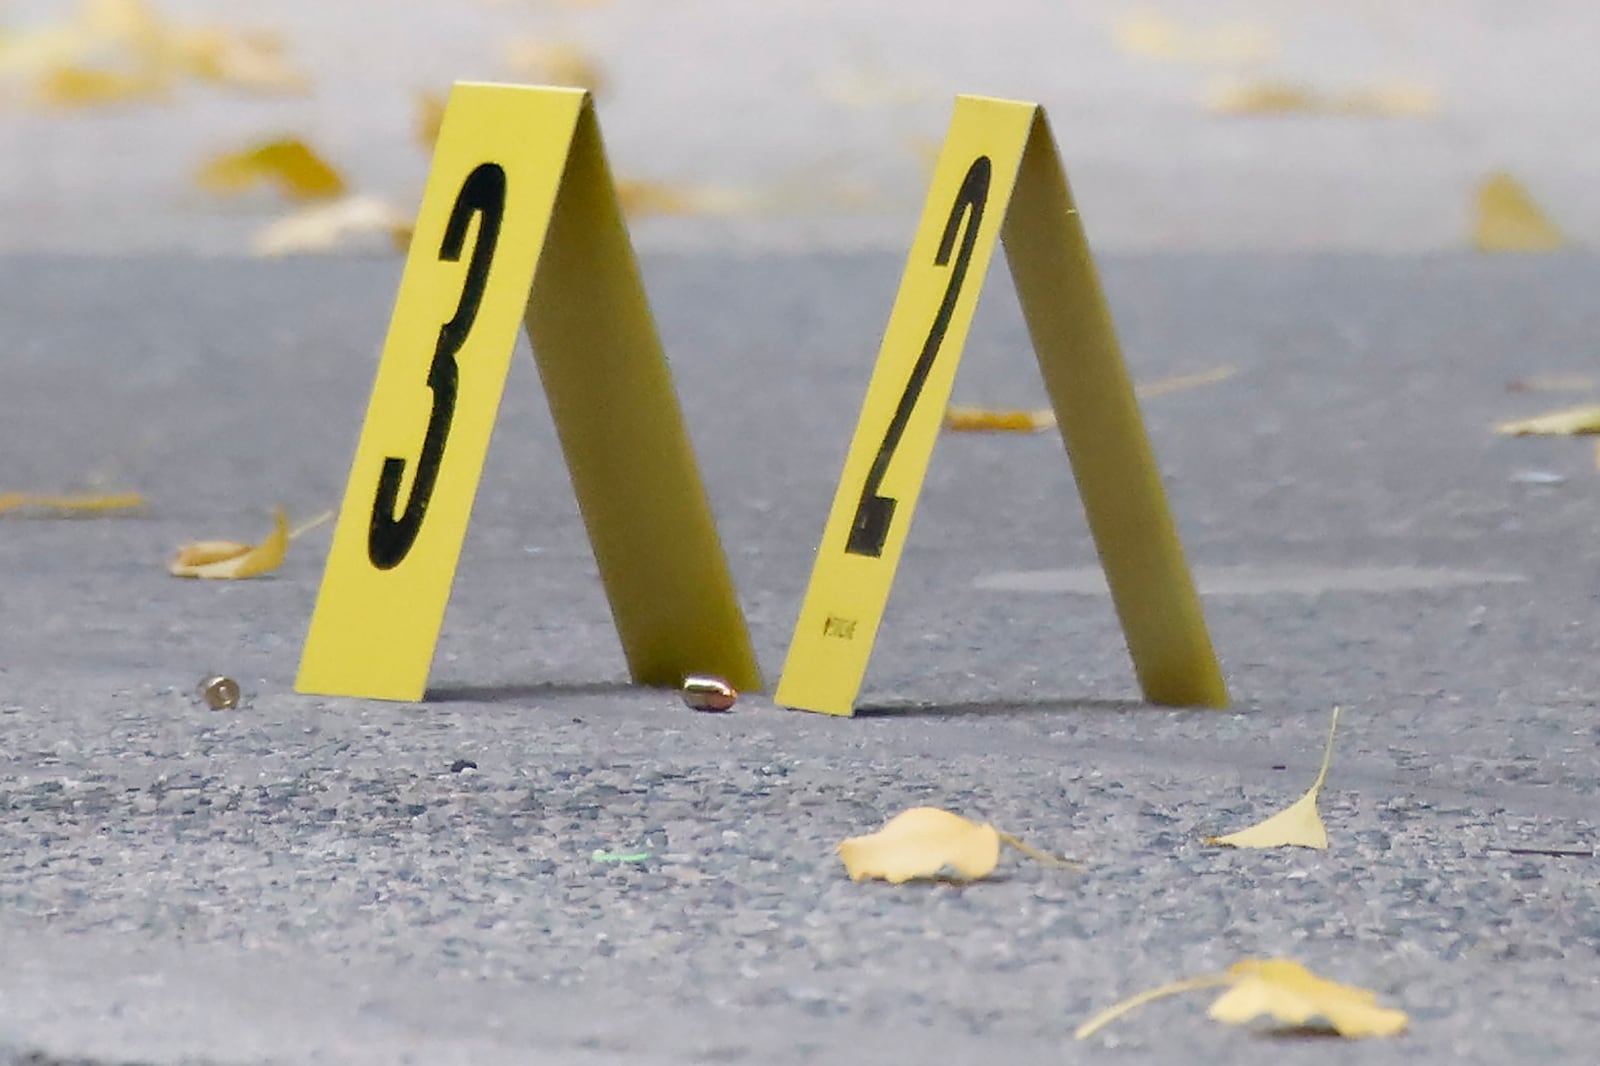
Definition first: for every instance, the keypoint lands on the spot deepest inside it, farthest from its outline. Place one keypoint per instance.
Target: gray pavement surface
(821, 111)
(304, 880)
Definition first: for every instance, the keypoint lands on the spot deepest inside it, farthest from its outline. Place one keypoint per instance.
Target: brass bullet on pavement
(220, 693)
(702, 692)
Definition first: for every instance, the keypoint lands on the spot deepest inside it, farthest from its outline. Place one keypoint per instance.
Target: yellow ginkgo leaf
(557, 63)
(1573, 421)
(962, 418)
(1506, 219)
(1281, 989)
(1297, 826)
(1292, 995)
(1287, 98)
(43, 49)
(930, 843)
(69, 506)
(287, 162)
(642, 198)
(230, 559)
(334, 227)
(1161, 38)
(1183, 382)
(254, 60)
(426, 118)
(70, 86)
(923, 842)
(131, 22)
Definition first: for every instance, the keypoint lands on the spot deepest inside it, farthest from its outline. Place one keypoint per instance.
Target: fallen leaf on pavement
(965, 418)
(42, 49)
(334, 227)
(1574, 421)
(41, 504)
(426, 118)
(70, 86)
(1287, 992)
(1184, 382)
(114, 51)
(1160, 38)
(253, 59)
(643, 198)
(231, 559)
(1287, 98)
(930, 843)
(1506, 219)
(287, 162)
(1298, 825)
(558, 63)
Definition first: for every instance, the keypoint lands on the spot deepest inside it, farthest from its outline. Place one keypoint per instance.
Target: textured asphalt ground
(305, 880)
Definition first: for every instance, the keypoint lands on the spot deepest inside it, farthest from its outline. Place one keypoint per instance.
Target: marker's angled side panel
(633, 469)
(1100, 423)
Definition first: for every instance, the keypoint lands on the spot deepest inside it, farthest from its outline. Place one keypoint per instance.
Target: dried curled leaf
(287, 162)
(42, 505)
(1287, 98)
(1281, 989)
(229, 559)
(930, 843)
(1574, 421)
(1507, 219)
(1297, 826)
(334, 227)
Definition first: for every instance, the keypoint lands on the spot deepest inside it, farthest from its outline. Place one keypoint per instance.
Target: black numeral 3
(390, 538)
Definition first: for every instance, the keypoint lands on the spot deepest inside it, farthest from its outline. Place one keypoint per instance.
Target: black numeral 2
(390, 538)
(870, 527)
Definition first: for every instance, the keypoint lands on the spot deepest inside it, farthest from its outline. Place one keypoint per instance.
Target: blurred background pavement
(1282, 125)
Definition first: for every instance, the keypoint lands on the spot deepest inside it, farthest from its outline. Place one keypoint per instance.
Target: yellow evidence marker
(520, 224)
(1000, 175)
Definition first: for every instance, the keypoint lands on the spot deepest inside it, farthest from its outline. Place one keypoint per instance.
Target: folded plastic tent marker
(520, 224)
(999, 177)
